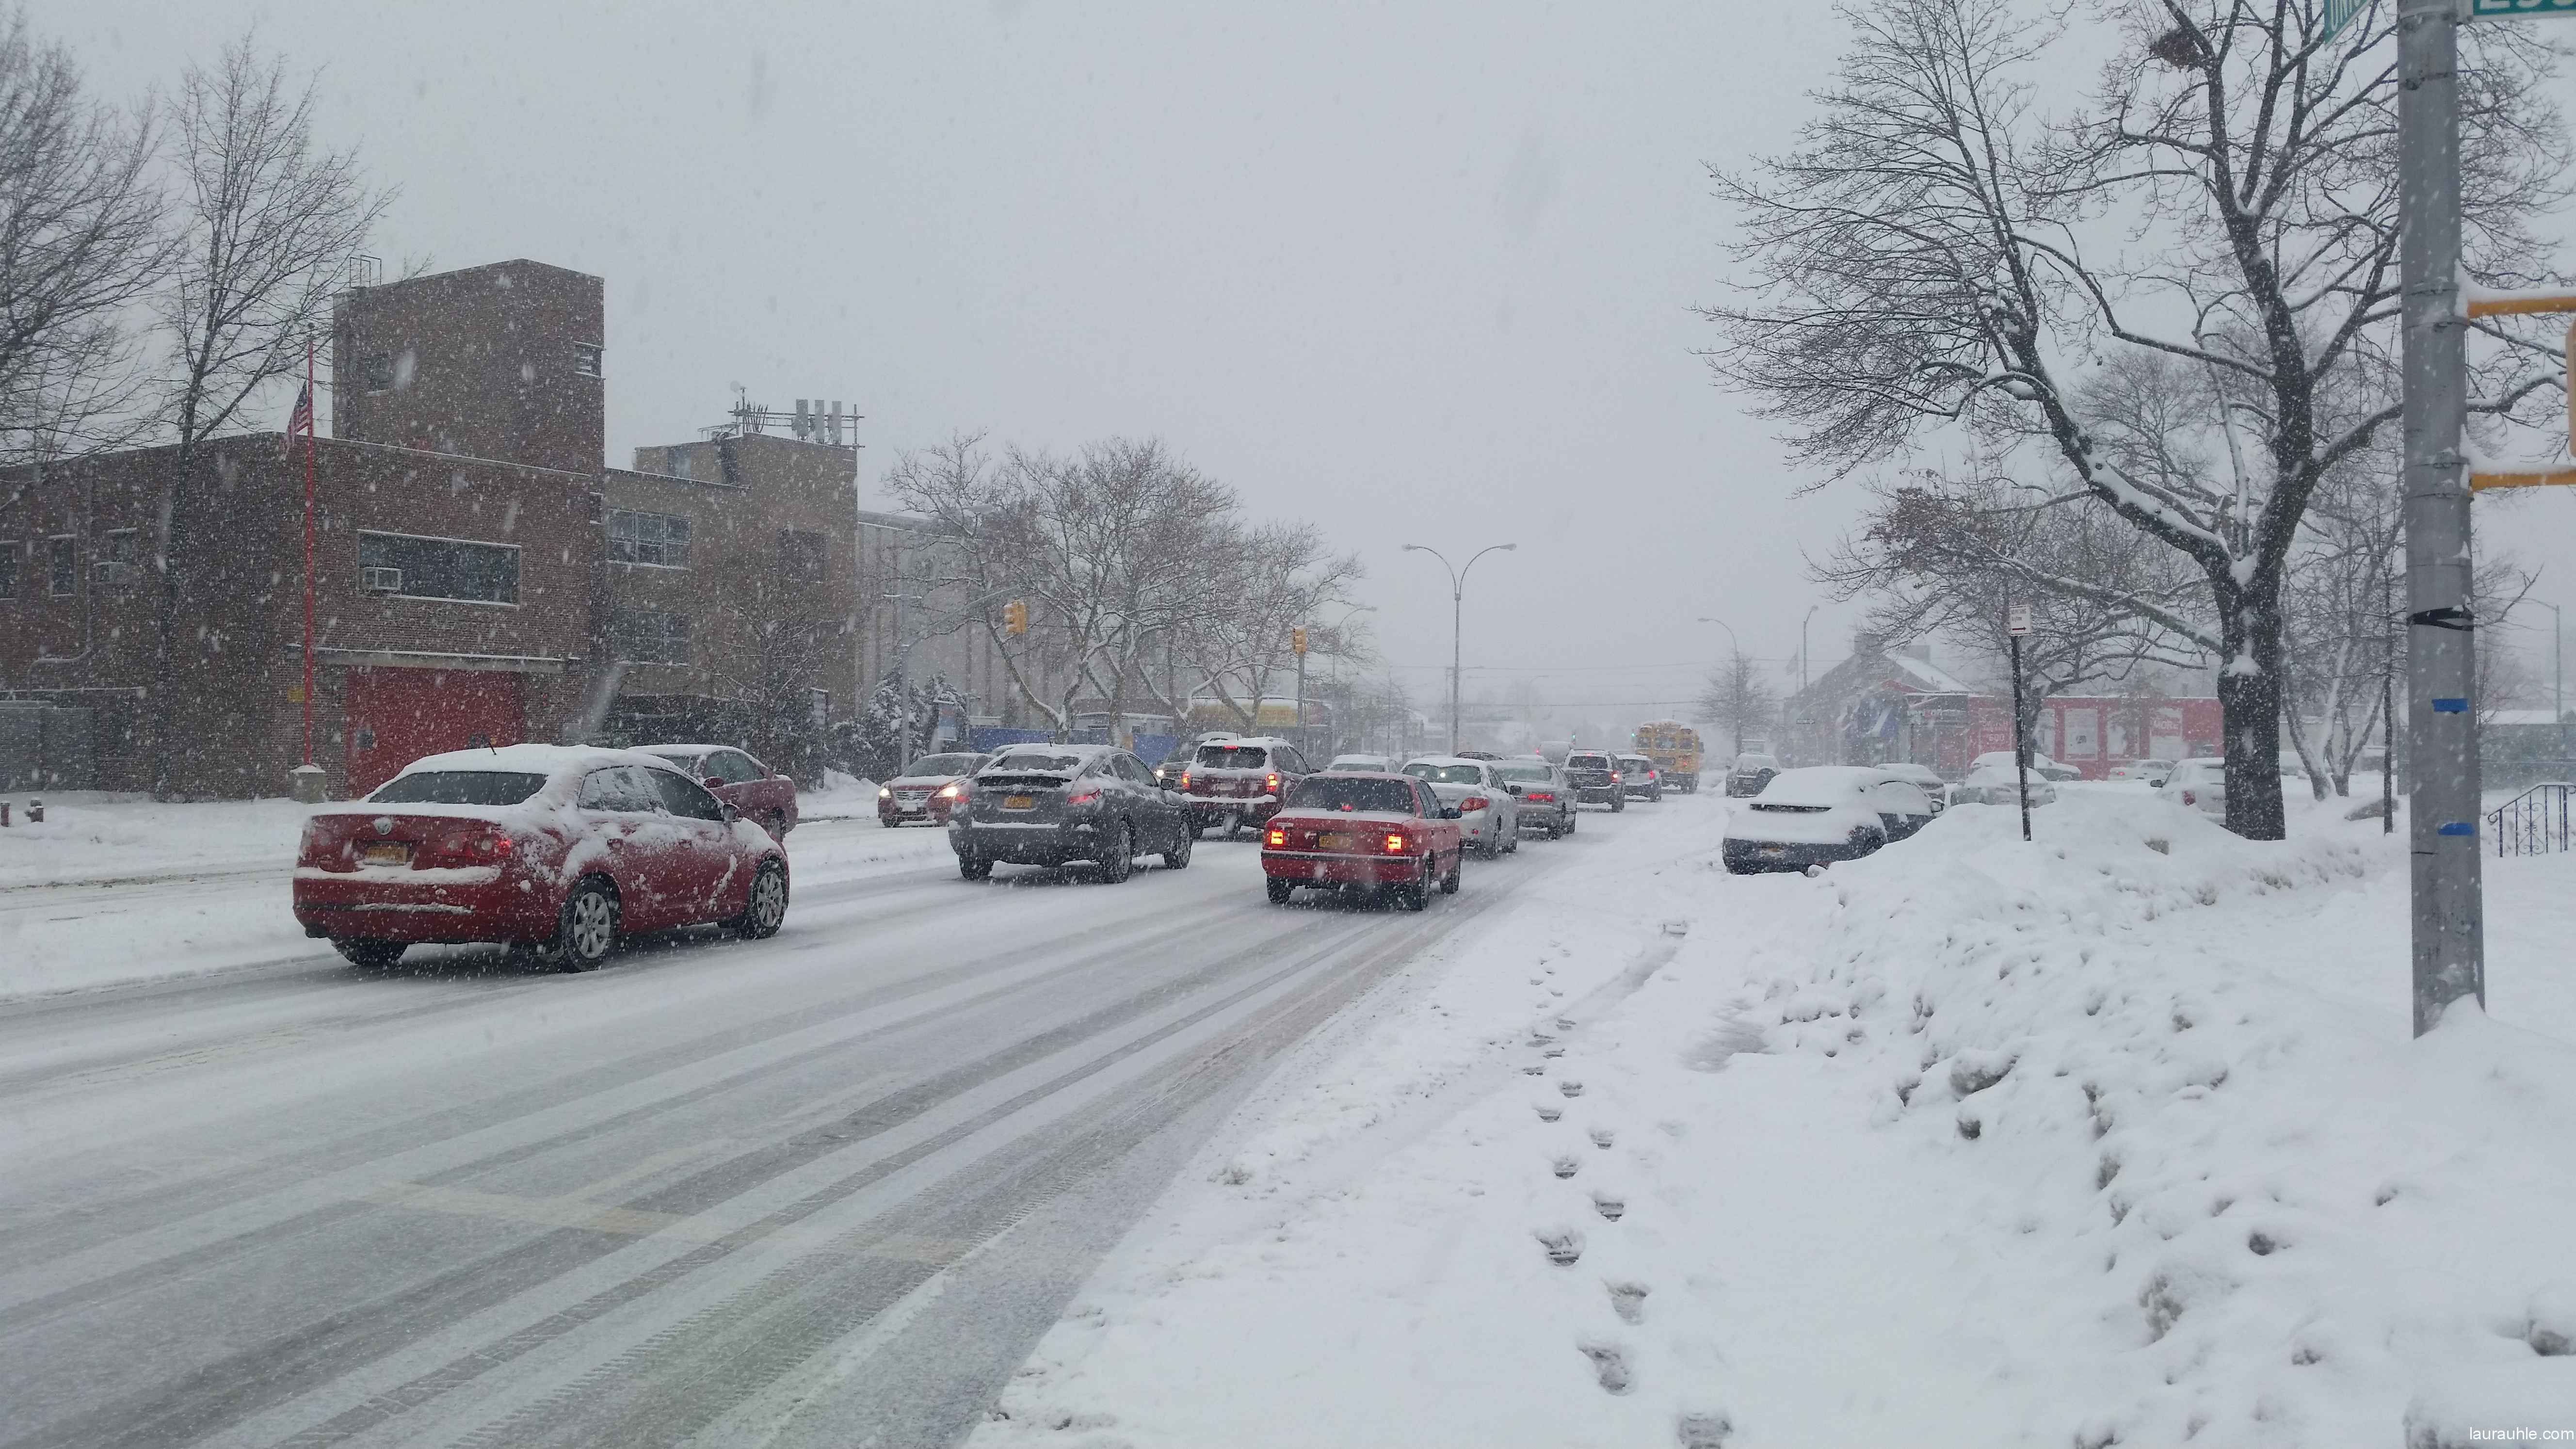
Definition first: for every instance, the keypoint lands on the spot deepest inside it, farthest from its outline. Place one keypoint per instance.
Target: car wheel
(765, 907)
(974, 867)
(1514, 843)
(889, 821)
(1119, 861)
(1178, 857)
(1570, 817)
(586, 931)
(1449, 882)
(1416, 895)
(369, 953)
(1618, 803)
(1279, 890)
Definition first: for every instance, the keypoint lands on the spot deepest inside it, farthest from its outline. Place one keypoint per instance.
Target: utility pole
(2441, 645)
(2557, 675)
(1457, 616)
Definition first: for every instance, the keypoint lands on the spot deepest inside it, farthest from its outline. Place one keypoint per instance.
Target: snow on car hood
(1831, 826)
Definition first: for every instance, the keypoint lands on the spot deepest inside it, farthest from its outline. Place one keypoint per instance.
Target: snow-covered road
(827, 1188)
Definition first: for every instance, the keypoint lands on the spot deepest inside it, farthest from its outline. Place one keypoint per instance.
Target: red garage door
(398, 715)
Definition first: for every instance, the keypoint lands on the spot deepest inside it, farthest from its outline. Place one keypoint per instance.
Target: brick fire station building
(476, 567)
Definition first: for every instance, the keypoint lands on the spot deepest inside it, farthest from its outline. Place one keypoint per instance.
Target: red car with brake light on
(1366, 835)
(555, 849)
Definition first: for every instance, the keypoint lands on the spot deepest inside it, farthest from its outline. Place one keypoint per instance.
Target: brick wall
(486, 362)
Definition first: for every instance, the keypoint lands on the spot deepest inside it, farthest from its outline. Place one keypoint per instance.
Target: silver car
(1489, 821)
(1541, 794)
(2199, 784)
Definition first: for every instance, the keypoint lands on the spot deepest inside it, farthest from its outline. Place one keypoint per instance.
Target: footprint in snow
(1610, 1205)
(1566, 1166)
(1535, 1069)
(1628, 1300)
(1565, 1023)
(1554, 1051)
(1549, 1111)
(1564, 1245)
(1609, 1365)
(1603, 1137)
(1570, 1087)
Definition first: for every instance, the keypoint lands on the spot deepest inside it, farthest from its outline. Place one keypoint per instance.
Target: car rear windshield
(1587, 762)
(1448, 774)
(459, 787)
(1036, 762)
(941, 765)
(1234, 757)
(1325, 792)
(1521, 772)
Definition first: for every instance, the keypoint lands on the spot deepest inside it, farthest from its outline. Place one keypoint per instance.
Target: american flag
(301, 420)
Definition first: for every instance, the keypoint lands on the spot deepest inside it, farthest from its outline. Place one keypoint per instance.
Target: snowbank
(90, 836)
(2118, 1138)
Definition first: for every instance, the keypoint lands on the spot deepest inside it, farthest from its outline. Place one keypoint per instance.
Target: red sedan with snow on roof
(556, 849)
(1363, 834)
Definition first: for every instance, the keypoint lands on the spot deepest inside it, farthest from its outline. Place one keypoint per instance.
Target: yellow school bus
(1674, 748)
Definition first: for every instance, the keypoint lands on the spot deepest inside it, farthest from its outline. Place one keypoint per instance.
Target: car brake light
(1614, 777)
(1271, 784)
(1185, 779)
(1279, 837)
(2188, 798)
(1474, 802)
(1085, 798)
(1547, 796)
(1395, 844)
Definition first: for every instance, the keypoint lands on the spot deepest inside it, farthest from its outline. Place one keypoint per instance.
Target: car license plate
(386, 852)
(1332, 842)
(1775, 850)
(1019, 802)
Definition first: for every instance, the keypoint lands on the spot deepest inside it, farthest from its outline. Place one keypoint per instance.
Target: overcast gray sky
(1418, 273)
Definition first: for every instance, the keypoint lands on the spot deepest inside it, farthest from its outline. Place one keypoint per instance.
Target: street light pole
(1457, 618)
(2441, 655)
(2557, 674)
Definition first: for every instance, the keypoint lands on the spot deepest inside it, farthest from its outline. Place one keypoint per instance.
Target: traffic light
(1015, 617)
(1297, 638)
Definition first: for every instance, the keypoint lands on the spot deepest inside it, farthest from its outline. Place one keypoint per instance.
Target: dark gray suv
(1595, 776)
(1050, 804)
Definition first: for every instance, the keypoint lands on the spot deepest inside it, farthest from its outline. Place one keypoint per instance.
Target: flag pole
(308, 548)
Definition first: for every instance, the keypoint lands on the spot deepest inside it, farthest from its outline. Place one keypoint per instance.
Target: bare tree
(1280, 577)
(1934, 252)
(271, 224)
(1737, 697)
(80, 242)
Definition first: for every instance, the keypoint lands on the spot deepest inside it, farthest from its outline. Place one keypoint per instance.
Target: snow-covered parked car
(2198, 784)
(1821, 814)
(1363, 764)
(2000, 784)
(2041, 766)
(2154, 772)
(556, 849)
(1489, 814)
(1935, 789)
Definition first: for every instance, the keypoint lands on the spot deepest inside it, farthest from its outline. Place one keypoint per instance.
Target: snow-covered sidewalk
(2119, 1138)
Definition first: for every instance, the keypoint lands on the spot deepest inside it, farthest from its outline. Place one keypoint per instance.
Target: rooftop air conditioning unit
(380, 580)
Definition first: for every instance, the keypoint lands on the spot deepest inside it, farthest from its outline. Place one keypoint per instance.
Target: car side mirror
(1452, 812)
(1511, 789)
(730, 811)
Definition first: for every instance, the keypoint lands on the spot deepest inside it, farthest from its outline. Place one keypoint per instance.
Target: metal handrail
(2535, 821)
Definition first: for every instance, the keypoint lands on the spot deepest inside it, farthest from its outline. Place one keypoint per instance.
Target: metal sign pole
(2016, 624)
(2441, 647)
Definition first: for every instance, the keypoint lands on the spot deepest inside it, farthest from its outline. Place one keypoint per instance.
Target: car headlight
(885, 792)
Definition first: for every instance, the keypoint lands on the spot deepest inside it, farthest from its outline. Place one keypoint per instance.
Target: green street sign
(2339, 13)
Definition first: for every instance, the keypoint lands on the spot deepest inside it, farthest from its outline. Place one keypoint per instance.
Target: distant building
(477, 572)
(1885, 705)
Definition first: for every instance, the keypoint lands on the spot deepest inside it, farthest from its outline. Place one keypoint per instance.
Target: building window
(120, 546)
(377, 372)
(675, 461)
(645, 637)
(62, 565)
(585, 358)
(438, 568)
(658, 539)
(8, 570)
(800, 555)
